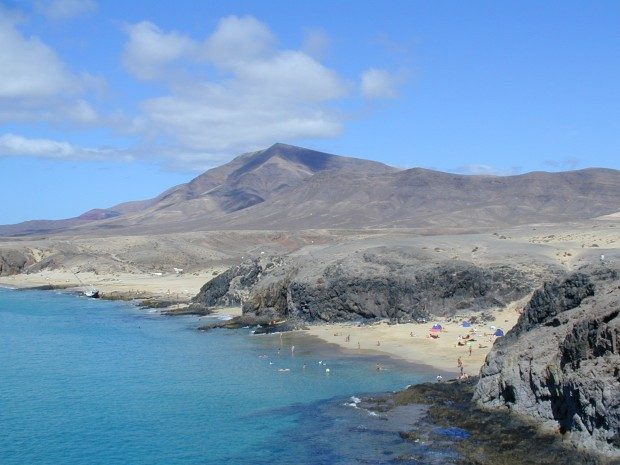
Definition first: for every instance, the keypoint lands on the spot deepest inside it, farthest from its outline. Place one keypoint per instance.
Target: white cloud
(35, 85)
(238, 41)
(150, 50)
(487, 170)
(220, 118)
(62, 10)
(15, 145)
(316, 43)
(256, 94)
(378, 84)
(59, 112)
(231, 91)
(570, 163)
(22, 61)
(479, 169)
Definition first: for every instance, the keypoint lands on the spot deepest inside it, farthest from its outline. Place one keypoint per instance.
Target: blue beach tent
(437, 326)
(498, 332)
(466, 324)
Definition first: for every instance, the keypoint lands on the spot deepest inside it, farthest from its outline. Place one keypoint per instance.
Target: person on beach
(358, 346)
(459, 363)
(439, 378)
(378, 367)
(292, 350)
(378, 343)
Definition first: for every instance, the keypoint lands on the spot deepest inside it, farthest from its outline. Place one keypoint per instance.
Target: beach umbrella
(466, 324)
(437, 327)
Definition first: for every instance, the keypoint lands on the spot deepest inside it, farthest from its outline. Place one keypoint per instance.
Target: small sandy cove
(412, 343)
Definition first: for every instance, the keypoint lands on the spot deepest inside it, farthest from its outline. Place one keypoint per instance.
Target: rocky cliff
(230, 287)
(561, 362)
(382, 282)
(13, 262)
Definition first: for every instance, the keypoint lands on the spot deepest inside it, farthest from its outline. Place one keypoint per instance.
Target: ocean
(84, 381)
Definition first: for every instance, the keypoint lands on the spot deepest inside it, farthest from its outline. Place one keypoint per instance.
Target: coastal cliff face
(561, 363)
(378, 283)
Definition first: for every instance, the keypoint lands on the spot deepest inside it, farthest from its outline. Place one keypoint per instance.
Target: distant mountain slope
(424, 198)
(287, 187)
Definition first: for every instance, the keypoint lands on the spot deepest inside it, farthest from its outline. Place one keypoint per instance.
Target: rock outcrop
(232, 287)
(13, 262)
(561, 363)
(383, 283)
(403, 292)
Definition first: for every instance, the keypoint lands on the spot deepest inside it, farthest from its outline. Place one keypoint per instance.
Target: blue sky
(104, 102)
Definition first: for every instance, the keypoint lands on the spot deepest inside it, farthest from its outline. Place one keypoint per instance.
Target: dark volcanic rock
(553, 298)
(561, 362)
(480, 437)
(399, 290)
(393, 284)
(237, 322)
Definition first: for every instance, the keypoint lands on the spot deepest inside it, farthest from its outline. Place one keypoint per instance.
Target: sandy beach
(180, 287)
(411, 342)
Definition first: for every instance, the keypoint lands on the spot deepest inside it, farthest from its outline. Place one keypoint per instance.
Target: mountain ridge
(289, 187)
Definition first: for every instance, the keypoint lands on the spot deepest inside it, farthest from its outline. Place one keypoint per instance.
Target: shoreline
(378, 339)
(397, 342)
(491, 436)
(117, 286)
(303, 340)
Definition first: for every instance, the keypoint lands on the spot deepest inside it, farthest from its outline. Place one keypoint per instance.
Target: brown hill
(287, 187)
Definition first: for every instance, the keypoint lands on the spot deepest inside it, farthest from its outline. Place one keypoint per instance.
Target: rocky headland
(395, 284)
(557, 369)
(560, 364)
(548, 393)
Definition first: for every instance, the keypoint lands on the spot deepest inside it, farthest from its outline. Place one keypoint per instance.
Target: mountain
(287, 187)
(424, 198)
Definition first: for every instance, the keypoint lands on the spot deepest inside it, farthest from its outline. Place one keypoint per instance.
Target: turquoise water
(93, 382)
